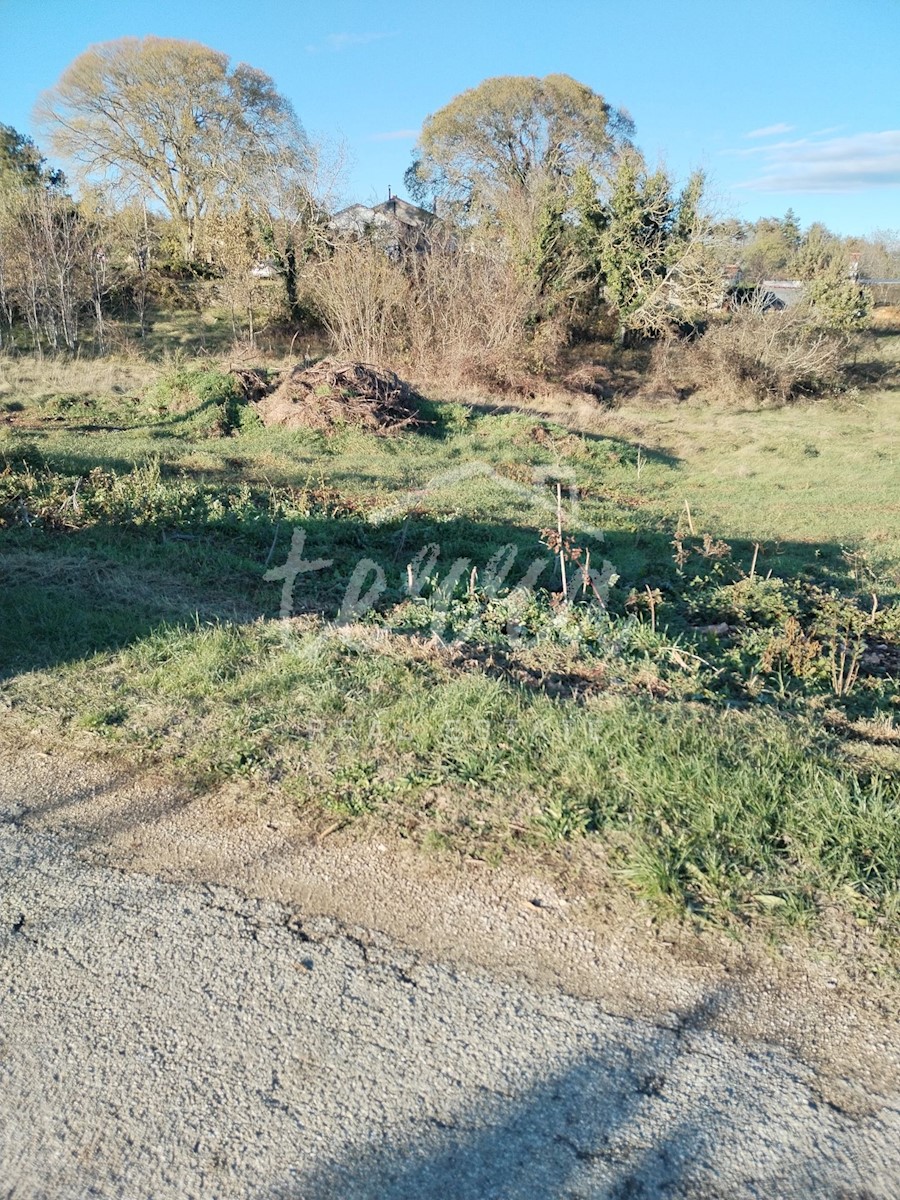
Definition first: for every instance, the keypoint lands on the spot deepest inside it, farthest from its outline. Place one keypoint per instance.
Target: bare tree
(170, 118)
(47, 248)
(136, 238)
(467, 309)
(361, 295)
(292, 208)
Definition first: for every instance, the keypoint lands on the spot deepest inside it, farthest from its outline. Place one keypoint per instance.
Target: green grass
(730, 813)
(732, 773)
(810, 473)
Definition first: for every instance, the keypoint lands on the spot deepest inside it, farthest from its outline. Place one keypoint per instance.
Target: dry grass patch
(26, 380)
(885, 318)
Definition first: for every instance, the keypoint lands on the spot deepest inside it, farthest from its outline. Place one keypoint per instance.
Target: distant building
(781, 293)
(396, 224)
(772, 295)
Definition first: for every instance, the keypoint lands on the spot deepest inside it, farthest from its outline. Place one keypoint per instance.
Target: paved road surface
(174, 1041)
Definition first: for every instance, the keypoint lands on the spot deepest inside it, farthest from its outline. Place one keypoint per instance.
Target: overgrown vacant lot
(722, 731)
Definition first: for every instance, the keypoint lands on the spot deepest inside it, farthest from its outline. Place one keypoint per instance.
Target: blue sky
(782, 102)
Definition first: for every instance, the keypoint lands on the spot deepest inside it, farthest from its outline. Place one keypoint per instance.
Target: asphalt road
(168, 1040)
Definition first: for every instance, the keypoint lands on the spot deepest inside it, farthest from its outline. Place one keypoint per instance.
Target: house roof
(391, 211)
(788, 291)
(394, 206)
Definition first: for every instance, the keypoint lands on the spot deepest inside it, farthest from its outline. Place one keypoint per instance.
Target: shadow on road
(611, 1124)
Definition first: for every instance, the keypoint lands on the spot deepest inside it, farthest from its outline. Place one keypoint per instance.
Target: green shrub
(206, 399)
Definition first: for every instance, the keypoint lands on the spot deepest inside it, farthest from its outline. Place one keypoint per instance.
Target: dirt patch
(332, 394)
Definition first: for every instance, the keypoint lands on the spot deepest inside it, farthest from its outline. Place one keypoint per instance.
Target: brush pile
(252, 383)
(332, 393)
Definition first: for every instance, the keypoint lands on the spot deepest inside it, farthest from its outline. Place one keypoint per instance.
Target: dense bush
(463, 313)
(756, 357)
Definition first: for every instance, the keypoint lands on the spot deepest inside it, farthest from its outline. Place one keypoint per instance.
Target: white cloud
(395, 135)
(769, 130)
(855, 163)
(336, 42)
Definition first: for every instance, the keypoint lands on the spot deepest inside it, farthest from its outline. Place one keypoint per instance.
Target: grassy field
(722, 728)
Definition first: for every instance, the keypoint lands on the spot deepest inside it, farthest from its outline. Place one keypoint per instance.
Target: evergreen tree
(21, 163)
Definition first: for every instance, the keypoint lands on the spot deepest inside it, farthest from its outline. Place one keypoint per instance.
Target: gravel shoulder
(199, 1001)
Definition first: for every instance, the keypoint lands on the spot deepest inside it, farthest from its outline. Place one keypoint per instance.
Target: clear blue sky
(783, 102)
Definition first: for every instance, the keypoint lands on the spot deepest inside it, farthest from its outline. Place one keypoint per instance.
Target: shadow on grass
(543, 419)
(67, 594)
(170, 424)
(74, 587)
(875, 373)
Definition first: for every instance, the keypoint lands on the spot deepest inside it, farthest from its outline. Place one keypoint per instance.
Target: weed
(561, 818)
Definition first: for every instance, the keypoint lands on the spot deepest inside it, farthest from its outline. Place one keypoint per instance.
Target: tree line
(189, 169)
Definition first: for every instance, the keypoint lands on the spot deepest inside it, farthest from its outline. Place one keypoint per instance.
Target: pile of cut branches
(334, 393)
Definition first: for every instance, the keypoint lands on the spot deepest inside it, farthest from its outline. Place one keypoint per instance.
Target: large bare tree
(511, 130)
(171, 119)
